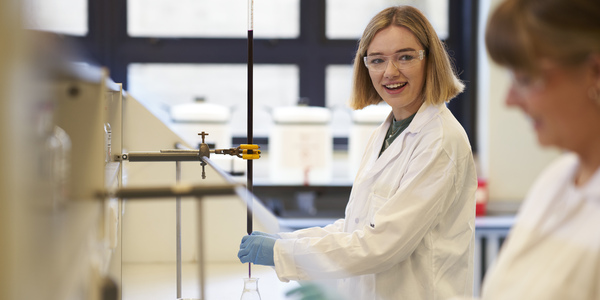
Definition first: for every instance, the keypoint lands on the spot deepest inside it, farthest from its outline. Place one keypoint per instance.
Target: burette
(250, 119)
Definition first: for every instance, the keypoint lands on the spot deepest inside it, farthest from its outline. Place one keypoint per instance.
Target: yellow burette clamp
(244, 151)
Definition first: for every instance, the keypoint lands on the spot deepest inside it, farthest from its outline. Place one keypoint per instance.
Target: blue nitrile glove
(271, 235)
(257, 249)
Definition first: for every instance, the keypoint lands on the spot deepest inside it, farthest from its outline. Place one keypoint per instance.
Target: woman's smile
(395, 88)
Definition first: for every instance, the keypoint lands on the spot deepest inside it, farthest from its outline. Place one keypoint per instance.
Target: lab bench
(147, 281)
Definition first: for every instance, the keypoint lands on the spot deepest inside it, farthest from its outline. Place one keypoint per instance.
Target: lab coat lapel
(592, 188)
(376, 164)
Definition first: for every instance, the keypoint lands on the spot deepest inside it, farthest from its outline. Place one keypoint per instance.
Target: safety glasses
(402, 60)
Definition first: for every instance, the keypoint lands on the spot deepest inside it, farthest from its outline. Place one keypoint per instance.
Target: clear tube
(250, 14)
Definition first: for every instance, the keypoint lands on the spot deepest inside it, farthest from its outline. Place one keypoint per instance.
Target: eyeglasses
(525, 84)
(402, 60)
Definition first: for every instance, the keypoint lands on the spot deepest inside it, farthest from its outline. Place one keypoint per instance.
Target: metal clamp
(244, 151)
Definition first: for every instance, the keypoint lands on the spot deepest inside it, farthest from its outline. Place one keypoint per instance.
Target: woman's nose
(513, 98)
(391, 70)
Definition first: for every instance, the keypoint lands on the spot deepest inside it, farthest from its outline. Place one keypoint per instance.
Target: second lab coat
(408, 230)
(553, 250)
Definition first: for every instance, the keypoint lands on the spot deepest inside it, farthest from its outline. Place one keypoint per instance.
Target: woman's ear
(594, 90)
(595, 65)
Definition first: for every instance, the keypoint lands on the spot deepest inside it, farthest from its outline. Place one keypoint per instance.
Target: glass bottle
(107, 143)
(250, 289)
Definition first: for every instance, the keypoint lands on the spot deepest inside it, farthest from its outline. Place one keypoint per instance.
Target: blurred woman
(409, 224)
(552, 49)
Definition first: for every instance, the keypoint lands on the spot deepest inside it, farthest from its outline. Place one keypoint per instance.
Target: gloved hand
(257, 249)
(271, 235)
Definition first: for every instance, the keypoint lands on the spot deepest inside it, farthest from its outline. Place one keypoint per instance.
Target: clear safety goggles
(402, 60)
(525, 84)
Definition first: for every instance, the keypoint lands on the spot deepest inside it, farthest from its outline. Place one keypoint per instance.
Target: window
(50, 16)
(338, 82)
(310, 42)
(347, 19)
(212, 19)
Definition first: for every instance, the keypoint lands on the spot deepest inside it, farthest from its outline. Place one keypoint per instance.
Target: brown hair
(520, 31)
(441, 82)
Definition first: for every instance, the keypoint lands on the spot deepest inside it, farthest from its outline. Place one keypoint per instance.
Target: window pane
(224, 84)
(60, 16)
(210, 18)
(346, 19)
(338, 82)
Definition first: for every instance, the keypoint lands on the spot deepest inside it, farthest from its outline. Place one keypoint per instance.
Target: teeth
(395, 85)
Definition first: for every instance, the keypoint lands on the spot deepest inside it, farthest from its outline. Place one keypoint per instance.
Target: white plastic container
(364, 122)
(189, 119)
(301, 146)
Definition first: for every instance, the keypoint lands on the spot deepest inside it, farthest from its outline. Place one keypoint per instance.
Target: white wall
(15, 153)
(509, 155)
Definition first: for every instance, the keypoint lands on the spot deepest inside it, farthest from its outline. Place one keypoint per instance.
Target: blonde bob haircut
(520, 32)
(441, 82)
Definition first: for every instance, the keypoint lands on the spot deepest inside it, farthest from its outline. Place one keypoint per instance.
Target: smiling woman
(421, 36)
(553, 50)
(413, 198)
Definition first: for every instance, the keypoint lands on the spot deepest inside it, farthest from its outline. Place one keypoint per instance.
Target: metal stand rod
(200, 251)
(172, 191)
(162, 156)
(178, 228)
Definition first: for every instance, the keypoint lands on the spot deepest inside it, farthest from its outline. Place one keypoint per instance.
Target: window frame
(108, 44)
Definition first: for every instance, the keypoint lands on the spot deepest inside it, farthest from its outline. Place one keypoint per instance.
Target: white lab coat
(553, 250)
(409, 227)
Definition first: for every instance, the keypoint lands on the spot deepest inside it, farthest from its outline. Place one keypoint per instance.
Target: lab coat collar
(424, 115)
(592, 188)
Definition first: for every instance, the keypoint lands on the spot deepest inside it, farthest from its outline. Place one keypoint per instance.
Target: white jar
(300, 146)
(189, 119)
